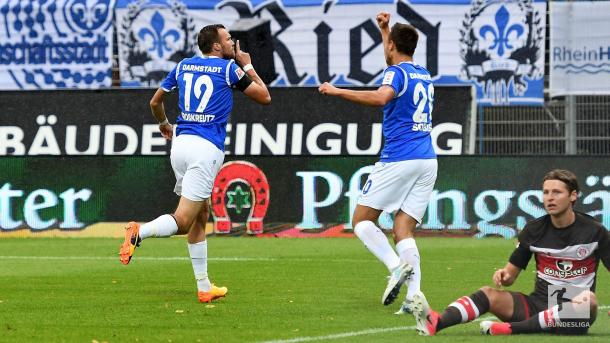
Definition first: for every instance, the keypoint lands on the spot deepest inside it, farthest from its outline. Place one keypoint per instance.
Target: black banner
(299, 122)
(472, 196)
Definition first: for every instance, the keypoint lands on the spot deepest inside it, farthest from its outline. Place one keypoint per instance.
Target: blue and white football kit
(205, 100)
(405, 175)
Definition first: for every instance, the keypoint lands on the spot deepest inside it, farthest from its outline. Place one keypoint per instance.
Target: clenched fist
(383, 20)
(327, 89)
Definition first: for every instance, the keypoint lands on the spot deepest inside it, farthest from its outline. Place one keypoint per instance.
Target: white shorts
(404, 185)
(195, 161)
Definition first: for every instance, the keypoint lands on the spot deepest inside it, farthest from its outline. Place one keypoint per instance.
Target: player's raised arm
(257, 90)
(378, 97)
(383, 21)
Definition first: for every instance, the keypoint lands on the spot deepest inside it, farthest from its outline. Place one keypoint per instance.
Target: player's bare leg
(501, 303)
(198, 251)
(186, 213)
(363, 213)
(404, 226)
(375, 240)
(196, 233)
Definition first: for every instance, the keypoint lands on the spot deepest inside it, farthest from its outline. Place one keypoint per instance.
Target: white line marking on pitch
(146, 258)
(356, 333)
(342, 335)
(171, 258)
(372, 331)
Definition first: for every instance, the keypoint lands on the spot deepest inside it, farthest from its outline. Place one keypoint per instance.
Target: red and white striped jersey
(566, 256)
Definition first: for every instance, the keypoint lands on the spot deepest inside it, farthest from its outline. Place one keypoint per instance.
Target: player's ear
(390, 45)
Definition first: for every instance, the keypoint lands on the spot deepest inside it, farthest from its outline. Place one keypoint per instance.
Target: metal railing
(572, 125)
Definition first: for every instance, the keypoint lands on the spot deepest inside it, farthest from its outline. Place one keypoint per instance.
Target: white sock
(199, 259)
(377, 243)
(163, 226)
(407, 250)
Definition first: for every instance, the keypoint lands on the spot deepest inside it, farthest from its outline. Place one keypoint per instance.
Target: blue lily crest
(161, 39)
(88, 15)
(502, 34)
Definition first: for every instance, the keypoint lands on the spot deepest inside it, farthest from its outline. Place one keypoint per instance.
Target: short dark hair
(208, 36)
(564, 176)
(405, 38)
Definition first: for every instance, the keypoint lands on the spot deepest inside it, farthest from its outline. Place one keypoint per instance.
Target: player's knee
(183, 221)
(489, 292)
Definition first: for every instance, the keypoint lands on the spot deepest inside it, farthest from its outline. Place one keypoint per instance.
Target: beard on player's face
(227, 46)
(228, 54)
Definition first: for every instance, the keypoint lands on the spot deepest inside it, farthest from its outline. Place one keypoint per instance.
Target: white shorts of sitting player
(404, 185)
(196, 162)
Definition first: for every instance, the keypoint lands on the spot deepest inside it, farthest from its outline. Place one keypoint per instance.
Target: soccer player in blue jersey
(205, 99)
(402, 181)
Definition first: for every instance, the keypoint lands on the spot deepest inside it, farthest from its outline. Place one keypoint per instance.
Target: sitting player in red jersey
(568, 246)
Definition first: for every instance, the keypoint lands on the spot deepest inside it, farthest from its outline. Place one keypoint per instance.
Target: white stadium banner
(496, 45)
(580, 48)
(56, 44)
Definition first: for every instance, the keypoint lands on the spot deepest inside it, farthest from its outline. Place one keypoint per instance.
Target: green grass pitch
(291, 290)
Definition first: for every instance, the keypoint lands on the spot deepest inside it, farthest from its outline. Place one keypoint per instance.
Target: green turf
(297, 288)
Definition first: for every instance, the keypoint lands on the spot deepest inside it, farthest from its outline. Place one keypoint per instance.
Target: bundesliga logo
(569, 302)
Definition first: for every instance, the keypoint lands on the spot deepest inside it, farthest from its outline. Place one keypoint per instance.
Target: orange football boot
(132, 241)
(213, 293)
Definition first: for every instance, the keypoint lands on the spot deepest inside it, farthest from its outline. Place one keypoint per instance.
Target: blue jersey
(407, 119)
(205, 96)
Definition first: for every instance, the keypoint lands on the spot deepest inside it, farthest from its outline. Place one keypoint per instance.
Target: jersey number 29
(203, 80)
(420, 98)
